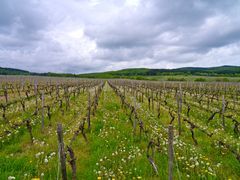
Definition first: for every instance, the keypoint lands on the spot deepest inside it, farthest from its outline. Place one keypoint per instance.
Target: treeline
(11, 71)
(233, 71)
(139, 73)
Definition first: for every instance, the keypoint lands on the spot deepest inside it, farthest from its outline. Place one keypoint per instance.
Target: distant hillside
(233, 71)
(213, 71)
(11, 71)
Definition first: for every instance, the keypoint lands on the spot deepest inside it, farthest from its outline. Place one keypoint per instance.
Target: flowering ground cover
(119, 129)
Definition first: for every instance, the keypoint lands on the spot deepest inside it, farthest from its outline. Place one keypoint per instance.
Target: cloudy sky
(79, 36)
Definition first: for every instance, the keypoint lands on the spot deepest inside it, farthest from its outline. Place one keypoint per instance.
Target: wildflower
(37, 155)
(53, 154)
(46, 160)
(99, 177)
(11, 177)
(210, 169)
(139, 177)
(35, 179)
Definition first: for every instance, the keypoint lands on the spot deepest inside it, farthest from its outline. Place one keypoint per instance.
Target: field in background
(118, 129)
(189, 78)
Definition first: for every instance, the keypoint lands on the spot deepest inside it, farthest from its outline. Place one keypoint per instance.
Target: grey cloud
(87, 36)
(21, 22)
(185, 19)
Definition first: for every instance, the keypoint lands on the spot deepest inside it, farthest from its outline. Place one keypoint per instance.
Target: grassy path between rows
(112, 152)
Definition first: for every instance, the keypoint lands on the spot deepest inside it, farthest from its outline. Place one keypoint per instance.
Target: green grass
(112, 150)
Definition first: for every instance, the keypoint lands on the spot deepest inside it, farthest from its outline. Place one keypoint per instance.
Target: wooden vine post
(35, 93)
(42, 121)
(179, 105)
(61, 151)
(158, 109)
(29, 128)
(57, 92)
(152, 100)
(135, 118)
(4, 108)
(170, 152)
(66, 94)
(6, 93)
(223, 111)
(89, 110)
(72, 162)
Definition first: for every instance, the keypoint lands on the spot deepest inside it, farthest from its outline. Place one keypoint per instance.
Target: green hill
(224, 71)
(11, 71)
(198, 71)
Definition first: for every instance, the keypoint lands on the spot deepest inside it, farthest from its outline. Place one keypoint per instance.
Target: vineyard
(69, 128)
